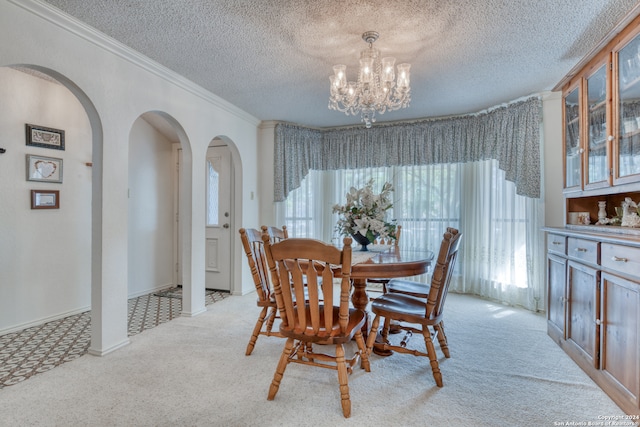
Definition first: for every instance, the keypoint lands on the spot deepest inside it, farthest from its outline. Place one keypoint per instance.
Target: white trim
(101, 40)
(192, 314)
(176, 160)
(151, 290)
(111, 349)
(43, 320)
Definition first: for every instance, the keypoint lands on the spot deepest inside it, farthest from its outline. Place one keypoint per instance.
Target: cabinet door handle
(556, 243)
(598, 322)
(615, 258)
(611, 138)
(581, 249)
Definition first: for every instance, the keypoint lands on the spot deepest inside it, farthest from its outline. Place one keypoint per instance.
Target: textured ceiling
(273, 58)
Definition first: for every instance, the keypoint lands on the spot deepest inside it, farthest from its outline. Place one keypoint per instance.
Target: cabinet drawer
(557, 244)
(584, 250)
(622, 259)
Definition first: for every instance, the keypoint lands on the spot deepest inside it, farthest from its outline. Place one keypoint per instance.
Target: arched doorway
(73, 231)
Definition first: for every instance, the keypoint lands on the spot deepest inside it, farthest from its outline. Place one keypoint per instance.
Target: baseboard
(151, 290)
(192, 314)
(43, 320)
(111, 349)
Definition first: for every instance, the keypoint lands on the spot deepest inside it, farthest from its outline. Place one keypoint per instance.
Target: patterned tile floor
(40, 348)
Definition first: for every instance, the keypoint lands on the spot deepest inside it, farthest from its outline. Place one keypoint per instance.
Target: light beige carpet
(504, 371)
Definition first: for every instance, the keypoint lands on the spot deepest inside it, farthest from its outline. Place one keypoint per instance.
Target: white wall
(552, 173)
(266, 143)
(151, 210)
(115, 86)
(37, 246)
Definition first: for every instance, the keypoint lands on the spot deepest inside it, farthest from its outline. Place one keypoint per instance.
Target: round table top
(393, 263)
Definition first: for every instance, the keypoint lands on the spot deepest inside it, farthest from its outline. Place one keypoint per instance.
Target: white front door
(218, 219)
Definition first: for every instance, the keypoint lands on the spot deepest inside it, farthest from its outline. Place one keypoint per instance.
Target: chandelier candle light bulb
(376, 90)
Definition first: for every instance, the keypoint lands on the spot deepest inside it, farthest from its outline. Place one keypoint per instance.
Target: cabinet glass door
(573, 152)
(597, 161)
(628, 149)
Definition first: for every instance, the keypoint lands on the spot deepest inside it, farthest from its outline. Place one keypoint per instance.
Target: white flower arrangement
(365, 213)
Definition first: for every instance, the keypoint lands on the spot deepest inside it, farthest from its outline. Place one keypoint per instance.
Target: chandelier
(376, 90)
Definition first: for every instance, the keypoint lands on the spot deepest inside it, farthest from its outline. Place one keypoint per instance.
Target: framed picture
(39, 136)
(44, 169)
(45, 199)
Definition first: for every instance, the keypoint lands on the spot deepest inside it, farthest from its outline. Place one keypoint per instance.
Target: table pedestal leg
(360, 299)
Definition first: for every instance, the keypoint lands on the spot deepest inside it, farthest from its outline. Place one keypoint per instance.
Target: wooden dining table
(384, 264)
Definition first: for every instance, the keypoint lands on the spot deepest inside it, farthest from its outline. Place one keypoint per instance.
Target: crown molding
(101, 40)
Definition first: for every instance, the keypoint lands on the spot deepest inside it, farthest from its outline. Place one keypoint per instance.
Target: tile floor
(40, 348)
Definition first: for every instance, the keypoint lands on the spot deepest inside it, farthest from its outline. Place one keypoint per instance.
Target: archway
(89, 168)
(160, 157)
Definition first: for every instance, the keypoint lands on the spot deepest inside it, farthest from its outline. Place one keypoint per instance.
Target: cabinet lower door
(583, 311)
(557, 279)
(620, 357)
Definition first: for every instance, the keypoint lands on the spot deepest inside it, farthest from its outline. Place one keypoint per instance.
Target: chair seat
(401, 307)
(334, 336)
(408, 287)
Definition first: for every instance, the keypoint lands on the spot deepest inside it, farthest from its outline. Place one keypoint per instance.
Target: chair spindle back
(307, 264)
(442, 272)
(254, 248)
(276, 234)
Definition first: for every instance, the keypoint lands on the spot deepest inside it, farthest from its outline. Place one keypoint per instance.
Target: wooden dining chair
(276, 234)
(254, 249)
(412, 311)
(321, 320)
(379, 284)
(412, 287)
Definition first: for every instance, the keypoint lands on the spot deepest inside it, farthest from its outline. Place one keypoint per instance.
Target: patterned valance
(510, 134)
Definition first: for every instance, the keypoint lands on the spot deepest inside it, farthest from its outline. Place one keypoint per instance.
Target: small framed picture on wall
(44, 169)
(45, 199)
(40, 136)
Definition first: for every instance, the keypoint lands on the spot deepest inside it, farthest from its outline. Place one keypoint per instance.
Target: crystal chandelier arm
(376, 89)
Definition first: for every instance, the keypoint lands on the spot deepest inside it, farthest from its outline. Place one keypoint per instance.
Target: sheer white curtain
(501, 254)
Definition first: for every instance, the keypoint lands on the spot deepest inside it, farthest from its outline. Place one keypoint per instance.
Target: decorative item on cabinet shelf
(602, 210)
(626, 216)
(581, 218)
(630, 216)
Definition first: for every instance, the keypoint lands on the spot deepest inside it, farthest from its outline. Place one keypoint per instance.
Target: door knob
(225, 225)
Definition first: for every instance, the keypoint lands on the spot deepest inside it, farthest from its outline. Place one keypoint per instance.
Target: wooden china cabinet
(593, 271)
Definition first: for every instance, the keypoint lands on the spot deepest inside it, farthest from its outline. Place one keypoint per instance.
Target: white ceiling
(273, 58)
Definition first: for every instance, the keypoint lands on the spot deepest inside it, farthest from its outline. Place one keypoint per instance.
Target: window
(500, 253)
(213, 187)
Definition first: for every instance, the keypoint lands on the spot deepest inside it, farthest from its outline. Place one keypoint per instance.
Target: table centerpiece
(363, 216)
